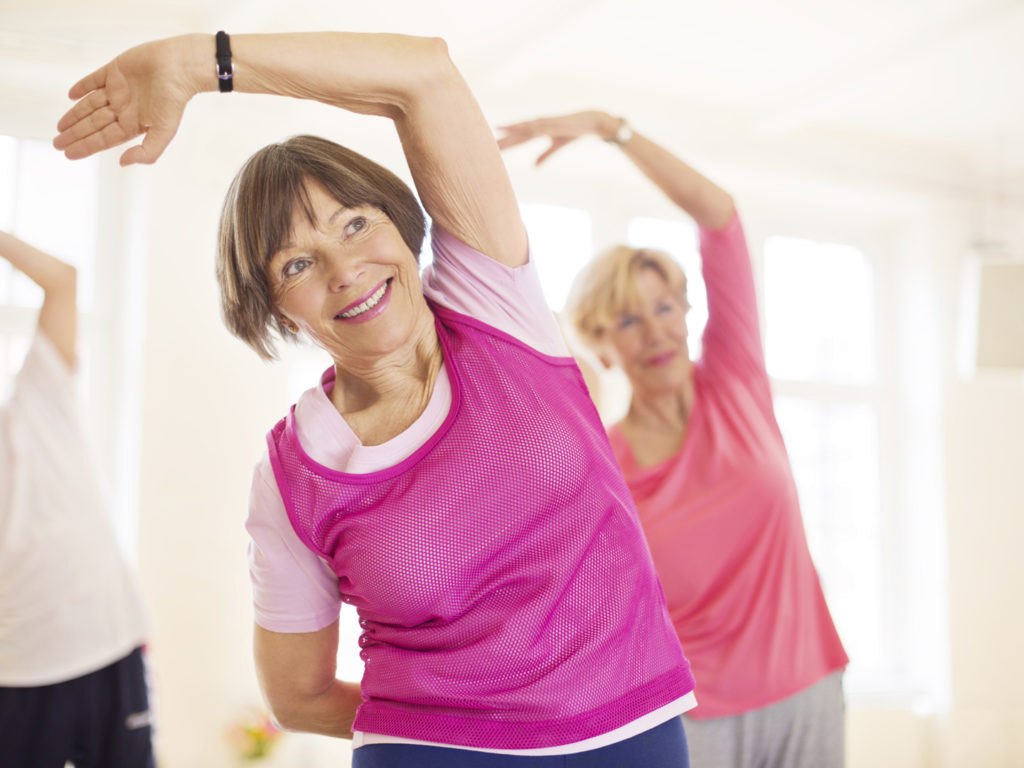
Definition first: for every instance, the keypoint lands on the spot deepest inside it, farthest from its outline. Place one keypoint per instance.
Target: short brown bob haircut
(606, 289)
(257, 220)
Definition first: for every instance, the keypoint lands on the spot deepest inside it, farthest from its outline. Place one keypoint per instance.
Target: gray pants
(804, 731)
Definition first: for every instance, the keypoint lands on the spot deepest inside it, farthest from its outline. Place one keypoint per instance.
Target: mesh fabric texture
(505, 591)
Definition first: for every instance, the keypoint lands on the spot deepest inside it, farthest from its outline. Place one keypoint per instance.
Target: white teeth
(368, 304)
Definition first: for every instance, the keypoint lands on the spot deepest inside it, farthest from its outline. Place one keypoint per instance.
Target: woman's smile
(369, 307)
(661, 359)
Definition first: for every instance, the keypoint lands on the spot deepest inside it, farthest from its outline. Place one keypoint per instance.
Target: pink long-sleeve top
(722, 516)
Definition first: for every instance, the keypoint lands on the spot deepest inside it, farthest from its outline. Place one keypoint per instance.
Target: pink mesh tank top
(505, 590)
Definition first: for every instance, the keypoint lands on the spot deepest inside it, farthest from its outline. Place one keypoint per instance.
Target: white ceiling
(939, 80)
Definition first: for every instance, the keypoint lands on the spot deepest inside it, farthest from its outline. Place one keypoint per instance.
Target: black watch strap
(224, 73)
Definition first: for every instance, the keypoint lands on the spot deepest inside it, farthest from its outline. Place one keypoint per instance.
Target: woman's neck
(655, 425)
(662, 412)
(383, 398)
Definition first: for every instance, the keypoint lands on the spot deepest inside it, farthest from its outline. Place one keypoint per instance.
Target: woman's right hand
(142, 92)
(562, 130)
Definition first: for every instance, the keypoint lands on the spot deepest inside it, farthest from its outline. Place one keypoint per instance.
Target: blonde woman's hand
(142, 92)
(561, 130)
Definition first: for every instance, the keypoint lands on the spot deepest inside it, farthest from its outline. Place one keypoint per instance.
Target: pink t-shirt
(293, 589)
(482, 566)
(723, 520)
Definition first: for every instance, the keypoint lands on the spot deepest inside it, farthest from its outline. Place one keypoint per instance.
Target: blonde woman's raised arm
(707, 203)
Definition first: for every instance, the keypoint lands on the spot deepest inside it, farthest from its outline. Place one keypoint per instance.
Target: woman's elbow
(64, 280)
(286, 717)
(434, 68)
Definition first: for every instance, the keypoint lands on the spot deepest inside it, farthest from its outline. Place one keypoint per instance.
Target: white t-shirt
(69, 604)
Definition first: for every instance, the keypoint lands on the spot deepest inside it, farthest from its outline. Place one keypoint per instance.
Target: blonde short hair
(607, 288)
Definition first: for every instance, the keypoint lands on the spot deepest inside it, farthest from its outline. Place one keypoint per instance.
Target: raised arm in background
(707, 203)
(450, 149)
(58, 317)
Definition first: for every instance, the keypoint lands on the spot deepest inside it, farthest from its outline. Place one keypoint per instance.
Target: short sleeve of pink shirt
(294, 590)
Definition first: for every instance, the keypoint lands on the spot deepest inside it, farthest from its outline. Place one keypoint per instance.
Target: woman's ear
(606, 361)
(288, 324)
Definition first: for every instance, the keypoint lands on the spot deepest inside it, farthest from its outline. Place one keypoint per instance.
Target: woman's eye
(357, 224)
(664, 308)
(626, 321)
(294, 267)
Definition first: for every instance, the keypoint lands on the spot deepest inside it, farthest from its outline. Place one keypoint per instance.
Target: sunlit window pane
(6, 282)
(8, 159)
(678, 238)
(820, 312)
(833, 448)
(561, 243)
(51, 203)
(56, 210)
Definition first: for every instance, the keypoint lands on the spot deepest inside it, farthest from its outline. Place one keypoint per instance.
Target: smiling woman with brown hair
(448, 475)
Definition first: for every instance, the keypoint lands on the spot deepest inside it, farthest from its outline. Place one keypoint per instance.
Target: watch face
(624, 132)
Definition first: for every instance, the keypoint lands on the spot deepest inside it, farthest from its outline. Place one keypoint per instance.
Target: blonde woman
(705, 462)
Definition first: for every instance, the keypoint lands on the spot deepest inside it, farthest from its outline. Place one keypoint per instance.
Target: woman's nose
(344, 270)
(654, 329)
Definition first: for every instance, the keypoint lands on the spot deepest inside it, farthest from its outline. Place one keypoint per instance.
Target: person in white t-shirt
(72, 623)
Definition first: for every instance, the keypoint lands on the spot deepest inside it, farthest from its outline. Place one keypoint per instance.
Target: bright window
(560, 244)
(823, 347)
(50, 203)
(833, 449)
(820, 348)
(820, 312)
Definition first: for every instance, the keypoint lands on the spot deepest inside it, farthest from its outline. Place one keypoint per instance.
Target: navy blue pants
(99, 720)
(660, 747)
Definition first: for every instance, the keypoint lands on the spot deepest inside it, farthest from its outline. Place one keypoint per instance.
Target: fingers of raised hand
(89, 143)
(94, 101)
(556, 144)
(518, 133)
(509, 140)
(90, 82)
(91, 114)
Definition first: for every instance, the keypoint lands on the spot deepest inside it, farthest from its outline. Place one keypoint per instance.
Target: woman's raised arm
(452, 154)
(707, 203)
(58, 317)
